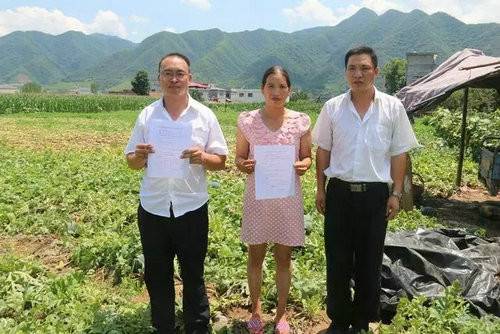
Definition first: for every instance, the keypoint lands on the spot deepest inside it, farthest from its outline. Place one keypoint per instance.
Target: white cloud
(169, 29)
(55, 22)
(311, 11)
(107, 22)
(478, 11)
(138, 19)
(200, 4)
(314, 12)
(378, 6)
(382, 6)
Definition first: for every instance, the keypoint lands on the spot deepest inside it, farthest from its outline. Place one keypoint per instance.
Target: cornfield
(28, 103)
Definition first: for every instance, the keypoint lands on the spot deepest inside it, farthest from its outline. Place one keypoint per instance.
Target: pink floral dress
(279, 220)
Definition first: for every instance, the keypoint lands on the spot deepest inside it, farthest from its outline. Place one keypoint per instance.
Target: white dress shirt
(190, 193)
(361, 149)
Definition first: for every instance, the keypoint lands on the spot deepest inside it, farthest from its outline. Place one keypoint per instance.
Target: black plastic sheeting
(426, 261)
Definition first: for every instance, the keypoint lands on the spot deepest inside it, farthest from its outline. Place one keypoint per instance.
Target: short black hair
(175, 54)
(274, 70)
(361, 50)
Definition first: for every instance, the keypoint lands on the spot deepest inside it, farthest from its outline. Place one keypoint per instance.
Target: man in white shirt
(362, 138)
(173, 212)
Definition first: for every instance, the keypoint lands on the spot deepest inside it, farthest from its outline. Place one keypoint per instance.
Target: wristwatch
(397, 194)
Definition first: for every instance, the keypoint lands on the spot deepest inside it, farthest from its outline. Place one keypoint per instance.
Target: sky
(136, 20)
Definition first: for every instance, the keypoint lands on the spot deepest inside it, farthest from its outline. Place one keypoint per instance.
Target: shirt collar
(189, 107)
(377, 96)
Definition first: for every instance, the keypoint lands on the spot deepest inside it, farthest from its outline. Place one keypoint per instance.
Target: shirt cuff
(218, 150)
(404, 149)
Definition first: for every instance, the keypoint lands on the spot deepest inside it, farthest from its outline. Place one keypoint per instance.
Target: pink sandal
(255, 326)
(282, 327)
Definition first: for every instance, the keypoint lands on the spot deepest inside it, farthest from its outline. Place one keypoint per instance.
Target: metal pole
(462, 137)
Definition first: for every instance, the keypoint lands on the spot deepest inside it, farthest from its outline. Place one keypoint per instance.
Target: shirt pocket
(379, 138)
(200, 135)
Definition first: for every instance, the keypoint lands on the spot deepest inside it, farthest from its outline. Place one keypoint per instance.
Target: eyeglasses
(167, 74)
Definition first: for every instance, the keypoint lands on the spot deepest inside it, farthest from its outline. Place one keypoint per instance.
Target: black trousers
(355, 226)
(162, 239)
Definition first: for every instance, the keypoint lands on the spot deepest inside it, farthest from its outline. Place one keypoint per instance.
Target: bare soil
(48, 249)
(461, 210)
(32, 138)
(235, 320)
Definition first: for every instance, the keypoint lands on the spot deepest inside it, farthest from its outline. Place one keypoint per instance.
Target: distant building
(10, 88)
(246, 95)
(77, 90)
(212, 93)
(198, 85)
(419, 64)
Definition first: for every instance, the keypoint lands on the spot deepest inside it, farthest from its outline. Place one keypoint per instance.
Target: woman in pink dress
(278, 221)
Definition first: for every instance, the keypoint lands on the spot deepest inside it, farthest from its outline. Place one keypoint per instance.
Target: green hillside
(47, 59)
(314, 57)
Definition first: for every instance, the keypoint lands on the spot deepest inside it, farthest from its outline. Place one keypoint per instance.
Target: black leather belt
(356, 187)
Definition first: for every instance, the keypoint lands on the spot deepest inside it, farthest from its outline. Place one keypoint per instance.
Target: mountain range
(314, 57)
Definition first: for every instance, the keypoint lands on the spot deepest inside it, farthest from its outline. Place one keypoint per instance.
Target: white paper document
(274, 172)
(168, 140)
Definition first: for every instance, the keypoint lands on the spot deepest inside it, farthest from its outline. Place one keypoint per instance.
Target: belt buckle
(357, 187)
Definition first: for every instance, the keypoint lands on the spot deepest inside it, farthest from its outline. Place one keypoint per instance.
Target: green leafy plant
(479, 126)
(448, 314)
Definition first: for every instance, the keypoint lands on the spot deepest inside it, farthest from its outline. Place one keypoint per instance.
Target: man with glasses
(362, 138)
(173, 211)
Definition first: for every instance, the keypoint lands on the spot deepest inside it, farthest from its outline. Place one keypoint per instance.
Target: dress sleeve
(304, 124)
(243, 123)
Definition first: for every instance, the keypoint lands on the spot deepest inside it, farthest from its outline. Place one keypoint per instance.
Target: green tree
(299, 95)
(196, 94)
(94, 87)
(394, 73)
(480, 99)
(31, 87)
(140, 84)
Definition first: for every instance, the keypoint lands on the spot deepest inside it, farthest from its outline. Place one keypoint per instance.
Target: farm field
(70, 255)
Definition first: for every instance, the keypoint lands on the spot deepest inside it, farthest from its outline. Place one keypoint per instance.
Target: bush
(394, 73)
(140, 84)
(299, 95)
(31, 87)
(483, 100)
(479, 126)
(94, 87)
